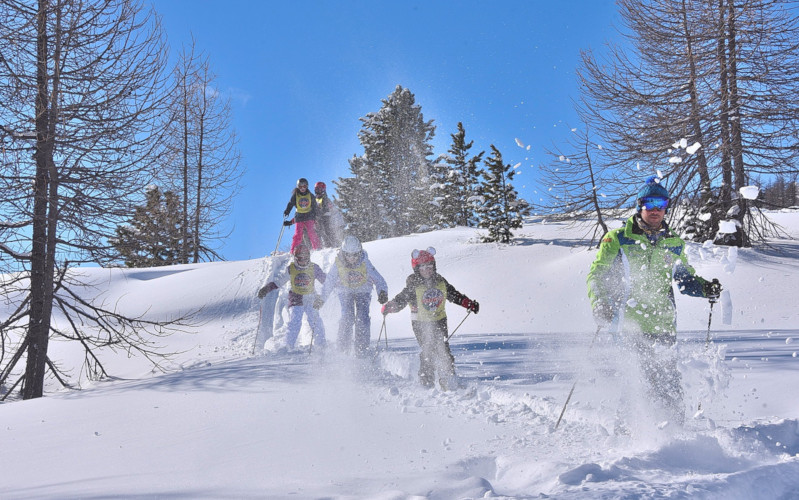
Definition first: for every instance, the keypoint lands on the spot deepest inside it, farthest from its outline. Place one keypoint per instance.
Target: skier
(353, 277)
(305, 204)
(427, 292)
(301, 273)
(330, 222)
(631, 293)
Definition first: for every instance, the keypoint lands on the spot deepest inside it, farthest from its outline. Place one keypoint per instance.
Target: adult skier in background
(329, 220)
(631, 292)
(426, 292)
(304, 202)
(352, 277)
(302, 274)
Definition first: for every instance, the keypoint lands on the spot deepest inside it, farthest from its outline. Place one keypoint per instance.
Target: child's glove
(388, 308)
(382, 297)
(470, 305)
(286, 212)
(266, 289)
(288, 222)
(712, 290)
(318, 303)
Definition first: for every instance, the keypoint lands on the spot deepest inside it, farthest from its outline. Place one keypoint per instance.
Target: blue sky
(300, 74)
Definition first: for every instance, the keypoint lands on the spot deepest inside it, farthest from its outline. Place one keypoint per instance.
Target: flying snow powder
(750, 192)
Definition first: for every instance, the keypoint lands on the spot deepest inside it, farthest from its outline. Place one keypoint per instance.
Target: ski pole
(257, 331)
(382, 329)
(280, 236)
(459, 325)
(709, 319)
(568, 398)
(707, 339)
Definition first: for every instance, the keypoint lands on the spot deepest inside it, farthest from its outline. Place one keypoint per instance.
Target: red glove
(388, 308)
(470, 305)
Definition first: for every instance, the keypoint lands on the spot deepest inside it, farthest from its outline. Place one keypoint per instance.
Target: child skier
(427, 291)
(329, 221)
(301, 273)
(353, 276)
(305, 217)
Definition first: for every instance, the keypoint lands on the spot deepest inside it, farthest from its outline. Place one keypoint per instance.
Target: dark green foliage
(456, 183)
(389, 192)
(154, 235)
(501, 209)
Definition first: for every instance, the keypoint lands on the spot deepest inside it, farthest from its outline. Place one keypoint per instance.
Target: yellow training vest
(431, 302)
(302, 279)
(303, 203)
(351, 277)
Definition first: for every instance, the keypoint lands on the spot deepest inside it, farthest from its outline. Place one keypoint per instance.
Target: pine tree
(465, 175)
(154, 236)
(501, 209)
(389, 192)
(360, 201)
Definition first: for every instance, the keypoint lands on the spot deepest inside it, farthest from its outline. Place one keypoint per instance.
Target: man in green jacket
(631, 292)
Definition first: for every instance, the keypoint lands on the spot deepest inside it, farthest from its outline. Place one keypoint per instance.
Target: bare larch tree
(81, 84)
(204, 160)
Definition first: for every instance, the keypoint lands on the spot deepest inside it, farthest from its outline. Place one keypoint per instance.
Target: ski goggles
(655, 203)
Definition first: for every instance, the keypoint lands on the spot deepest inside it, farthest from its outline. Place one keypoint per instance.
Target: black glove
(286, 212)
(603, 315)
(267, 289)
(712, 290)
(318, 303)
(288, 222)
(382, 297)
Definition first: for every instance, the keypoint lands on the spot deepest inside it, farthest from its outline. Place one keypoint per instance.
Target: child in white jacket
(352, 277)
(302, 273)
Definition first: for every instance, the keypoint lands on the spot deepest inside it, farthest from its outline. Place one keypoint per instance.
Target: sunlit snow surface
(226, 423)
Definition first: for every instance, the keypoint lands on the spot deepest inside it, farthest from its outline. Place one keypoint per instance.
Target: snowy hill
(224, 423)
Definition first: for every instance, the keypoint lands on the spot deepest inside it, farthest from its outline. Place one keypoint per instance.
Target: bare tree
(81, 84)
(205, 160)
(718, 74)
(578, 186)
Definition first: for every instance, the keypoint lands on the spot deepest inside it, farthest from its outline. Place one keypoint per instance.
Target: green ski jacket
(632, 276)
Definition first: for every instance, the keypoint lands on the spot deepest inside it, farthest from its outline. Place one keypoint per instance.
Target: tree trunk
(41, 287)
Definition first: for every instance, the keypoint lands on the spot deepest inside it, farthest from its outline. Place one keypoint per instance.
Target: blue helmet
(652, 188)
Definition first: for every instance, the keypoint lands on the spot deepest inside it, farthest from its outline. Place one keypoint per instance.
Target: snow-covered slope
(224, 423)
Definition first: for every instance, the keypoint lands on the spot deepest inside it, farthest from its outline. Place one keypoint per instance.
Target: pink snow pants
(309, 226)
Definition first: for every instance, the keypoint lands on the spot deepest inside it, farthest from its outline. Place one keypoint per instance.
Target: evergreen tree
(501, 209)
(457, 182)
(360, 201)
(390, 192)
(154, 236)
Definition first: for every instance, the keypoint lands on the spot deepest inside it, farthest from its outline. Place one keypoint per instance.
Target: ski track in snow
(510, 389)
(496, 436)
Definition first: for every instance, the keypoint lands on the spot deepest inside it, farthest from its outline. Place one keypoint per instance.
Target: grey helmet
(351, 244)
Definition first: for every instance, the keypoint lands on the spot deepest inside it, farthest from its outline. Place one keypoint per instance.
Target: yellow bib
(302, 279)
(431, 302)
(351, 277)
(303, 203)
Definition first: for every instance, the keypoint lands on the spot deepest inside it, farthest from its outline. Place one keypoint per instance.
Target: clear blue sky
(301, 73)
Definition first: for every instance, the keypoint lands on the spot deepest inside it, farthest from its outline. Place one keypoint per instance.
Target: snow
(750, 192)
(224, 423)
(728, 226)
